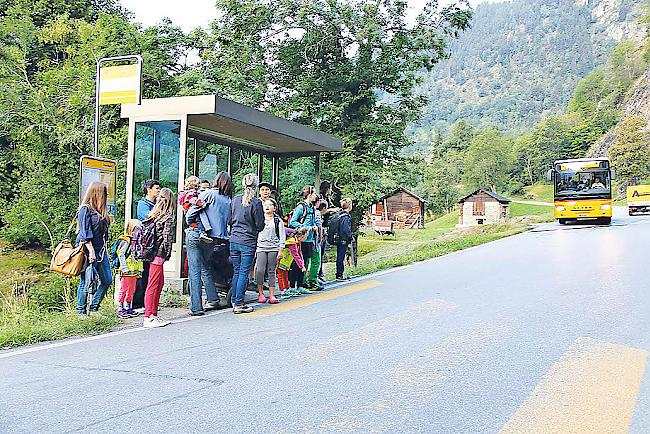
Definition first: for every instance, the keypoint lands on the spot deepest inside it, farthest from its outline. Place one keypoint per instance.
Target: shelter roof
(220, 120)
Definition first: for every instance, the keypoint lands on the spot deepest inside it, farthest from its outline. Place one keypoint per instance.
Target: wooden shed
(483, 207)
(404, 208)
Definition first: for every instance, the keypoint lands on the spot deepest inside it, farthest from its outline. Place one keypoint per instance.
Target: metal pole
(96, 137)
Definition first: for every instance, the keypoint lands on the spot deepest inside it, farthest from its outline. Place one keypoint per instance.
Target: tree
(488, 161)
(47, 88)
(326, 64)
(630, 153)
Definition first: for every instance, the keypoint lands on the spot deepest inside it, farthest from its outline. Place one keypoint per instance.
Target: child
(130, 271)
(190, 196)
(290, 254)
(270, 243)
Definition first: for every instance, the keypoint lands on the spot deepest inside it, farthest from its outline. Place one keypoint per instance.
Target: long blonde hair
(164, 207)
(131, 224)
(250, 183)
(95, 198)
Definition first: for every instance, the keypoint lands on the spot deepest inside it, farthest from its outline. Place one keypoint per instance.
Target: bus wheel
(605, 220)
(562, 221)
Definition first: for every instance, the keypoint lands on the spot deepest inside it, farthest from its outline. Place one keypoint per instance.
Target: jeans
(242, 257)
(200, 271)
(341, 250)
(323, 248)
(103, 269)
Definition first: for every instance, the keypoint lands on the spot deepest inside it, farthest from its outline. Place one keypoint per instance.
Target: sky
(201, 12)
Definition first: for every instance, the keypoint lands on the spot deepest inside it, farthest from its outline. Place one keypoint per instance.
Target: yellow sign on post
(99, 169)
(119, 84)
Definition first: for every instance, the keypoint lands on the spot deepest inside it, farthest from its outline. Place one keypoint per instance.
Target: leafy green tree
(47, 82)
(488, 161)
(630, 153)
(326, 64)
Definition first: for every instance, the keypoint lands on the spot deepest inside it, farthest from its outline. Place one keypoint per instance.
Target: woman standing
(215, 210)
(92, 224)
(162, 215)
(246, 222)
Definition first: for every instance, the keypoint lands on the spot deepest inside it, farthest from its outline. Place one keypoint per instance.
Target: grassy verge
(36, 305)
(541, 192)
(518, 209)
(438, 238)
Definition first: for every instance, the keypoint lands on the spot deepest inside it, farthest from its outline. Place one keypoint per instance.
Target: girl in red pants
(130, 270)
(162, 215)
(290, 253)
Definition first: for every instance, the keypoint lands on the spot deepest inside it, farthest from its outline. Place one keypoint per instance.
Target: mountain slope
(521, 60)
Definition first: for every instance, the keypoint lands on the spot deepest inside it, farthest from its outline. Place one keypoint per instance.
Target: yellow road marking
(592, 388)
(306, 300)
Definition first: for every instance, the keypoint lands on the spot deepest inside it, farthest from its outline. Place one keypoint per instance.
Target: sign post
(99, 169)
(120, 84)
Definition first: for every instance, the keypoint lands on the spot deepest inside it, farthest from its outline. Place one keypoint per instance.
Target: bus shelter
(173, 138)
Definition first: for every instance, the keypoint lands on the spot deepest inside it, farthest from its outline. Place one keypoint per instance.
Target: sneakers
(205, 238)
(122, 313)
(303, 290)
(261, 299)
(342, 278)
(285, 294)
(273, 300)
(197, 313)
(154, 321)
(242, 309)
(314, 286)
(211, 305)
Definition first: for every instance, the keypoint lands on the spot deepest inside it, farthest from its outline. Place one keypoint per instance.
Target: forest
(358, 71)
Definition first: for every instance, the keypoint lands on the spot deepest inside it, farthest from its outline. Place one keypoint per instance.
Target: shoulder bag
(68, 259)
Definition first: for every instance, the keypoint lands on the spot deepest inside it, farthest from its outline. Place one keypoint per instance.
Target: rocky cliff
(637, 102)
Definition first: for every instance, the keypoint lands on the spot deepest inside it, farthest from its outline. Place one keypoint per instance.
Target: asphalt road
(547, 331)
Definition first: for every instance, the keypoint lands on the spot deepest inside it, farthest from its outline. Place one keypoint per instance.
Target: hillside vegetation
(521, 61)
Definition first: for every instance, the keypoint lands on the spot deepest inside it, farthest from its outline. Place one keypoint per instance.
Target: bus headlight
(560, 208)
(605, 206)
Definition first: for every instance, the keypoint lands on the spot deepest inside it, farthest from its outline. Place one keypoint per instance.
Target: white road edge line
(12, 353)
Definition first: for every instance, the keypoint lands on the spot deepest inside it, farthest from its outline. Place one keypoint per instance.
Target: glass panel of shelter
(157, 153)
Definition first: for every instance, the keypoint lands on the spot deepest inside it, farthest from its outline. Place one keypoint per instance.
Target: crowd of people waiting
(242, 239)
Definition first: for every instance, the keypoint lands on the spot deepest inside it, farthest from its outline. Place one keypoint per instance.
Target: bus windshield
(582, 183)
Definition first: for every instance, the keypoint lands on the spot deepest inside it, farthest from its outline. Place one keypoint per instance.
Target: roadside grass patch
(518, 209)
(438, 238)
(37, 305)
(540, 192)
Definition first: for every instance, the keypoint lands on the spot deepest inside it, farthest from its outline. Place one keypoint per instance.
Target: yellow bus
(582, 190)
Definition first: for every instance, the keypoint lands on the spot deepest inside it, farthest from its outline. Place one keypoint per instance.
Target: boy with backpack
(339, 234)
(130, 268)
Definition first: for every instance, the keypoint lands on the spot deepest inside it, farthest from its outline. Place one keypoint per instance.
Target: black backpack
(334, 229)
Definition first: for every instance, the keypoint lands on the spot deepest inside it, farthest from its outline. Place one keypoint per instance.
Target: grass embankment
(36, 305)
(439, 237)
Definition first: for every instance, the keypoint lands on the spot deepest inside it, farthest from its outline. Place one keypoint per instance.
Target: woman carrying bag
(92, 225)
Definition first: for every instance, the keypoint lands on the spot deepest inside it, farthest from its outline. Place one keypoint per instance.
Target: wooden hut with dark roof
(483, 207)
(402, 207)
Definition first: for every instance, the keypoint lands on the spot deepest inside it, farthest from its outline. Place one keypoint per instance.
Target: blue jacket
(310, 219)
(92, 228)
(246, 222)
(216, 211)
(144, 207)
